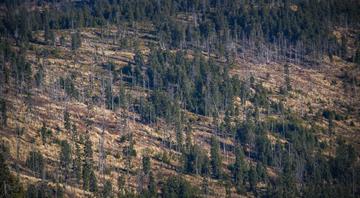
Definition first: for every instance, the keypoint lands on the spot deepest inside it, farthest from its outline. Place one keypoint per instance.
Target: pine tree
(77, 163)
(215, 158)
(35, 162)
(121, 185)
(253, 179)
(239, 169)
(9, 185)
(86, 172)
(107, 191)
(75, 40)
(3, 109)
(44, 133)
(39, 76)
(287, 78)
(357, 57)
(93, 186)
(65, 158)
(146, 164)
(152, 186)
(87, 163)
(205, 185)
(67, 124)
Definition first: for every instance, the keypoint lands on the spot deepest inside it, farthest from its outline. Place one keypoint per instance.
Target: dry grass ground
(310, 85)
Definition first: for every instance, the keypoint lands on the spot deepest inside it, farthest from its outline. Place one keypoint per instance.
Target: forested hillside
(179, 98)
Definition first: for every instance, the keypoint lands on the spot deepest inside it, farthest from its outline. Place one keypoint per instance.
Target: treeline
(299, 31)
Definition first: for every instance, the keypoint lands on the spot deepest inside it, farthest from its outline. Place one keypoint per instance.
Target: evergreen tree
(67, 124)
(215, 158)
(287, 77)
(86, 172)
(9, 185)
(253, 179)
(77, 163)
(35, 162)
(3, 110)
(239, 169)
(107, 191)
(357, 57)
(39, 76)
(146, 164)
(152, 191)
(93, 186)
(75, 40)
(287, 184)
(44, 133)
(121, 185)
(87, 163)
(178, 187)
(65, 158)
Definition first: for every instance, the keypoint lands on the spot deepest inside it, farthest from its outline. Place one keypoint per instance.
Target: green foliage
(107, 191)
(65, 157)
(77, 164)
(287, 77)
(39, 76)
(121, 185)
(69, 86)
(75, 40)
(3, 110)
(87, 168)
(215, 158)
(177, 187)
(253, 179)
(152, 191)
(146, 164)
(67, 123)
(43, 190)
(196, 160)
(35, 162)
(9, 185)
(357, 56)
(93, 186)
(238, 170)
(44, 133)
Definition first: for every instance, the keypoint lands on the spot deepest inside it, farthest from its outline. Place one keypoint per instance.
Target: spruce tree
(35, 162)
(77, 163)
(93, 186)
(253, 179)
(9, 185)
(3, 110)
(67, 124)
(152, 186)
(87, 163)
(215, 158)
(239, 169)
(65, 158)
(146, 164)
(75, 40)
(107, 189)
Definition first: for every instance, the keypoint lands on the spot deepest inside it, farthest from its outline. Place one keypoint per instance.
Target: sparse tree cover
(9, 185)
(164, 74)
(44, 133)
(35, 162)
